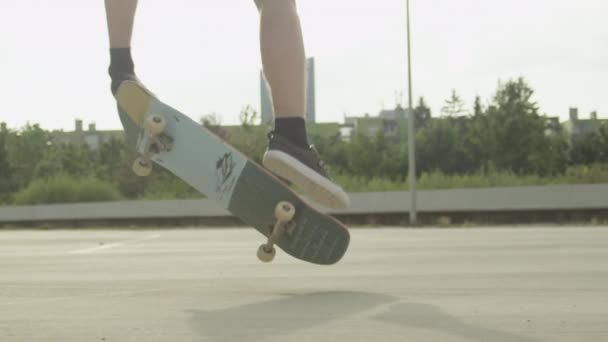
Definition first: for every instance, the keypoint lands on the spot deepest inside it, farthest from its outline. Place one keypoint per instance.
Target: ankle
(293, 129)
(121, 62)
(121, 67)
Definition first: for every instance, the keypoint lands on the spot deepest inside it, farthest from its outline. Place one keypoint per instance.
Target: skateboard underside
(224, 174)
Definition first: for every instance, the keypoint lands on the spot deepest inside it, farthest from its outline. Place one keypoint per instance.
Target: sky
(203, 57)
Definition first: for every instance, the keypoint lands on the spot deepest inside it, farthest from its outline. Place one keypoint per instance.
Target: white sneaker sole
(317, 187)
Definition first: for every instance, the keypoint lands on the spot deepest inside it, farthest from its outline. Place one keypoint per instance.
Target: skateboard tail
(134, 100)
(316, 238)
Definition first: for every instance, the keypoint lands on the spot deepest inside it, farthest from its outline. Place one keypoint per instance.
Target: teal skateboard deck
(163, 135)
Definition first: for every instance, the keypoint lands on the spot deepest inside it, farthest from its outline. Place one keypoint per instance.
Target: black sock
(293, 129)
(121, 66)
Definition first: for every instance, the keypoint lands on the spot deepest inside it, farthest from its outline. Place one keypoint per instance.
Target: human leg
(120, 16)
(284, 61)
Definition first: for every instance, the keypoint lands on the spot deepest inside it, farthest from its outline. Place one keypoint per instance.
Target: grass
(168, 189)
(65, 189)
(436, 180)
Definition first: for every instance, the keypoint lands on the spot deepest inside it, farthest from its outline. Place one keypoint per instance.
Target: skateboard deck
(163, 135)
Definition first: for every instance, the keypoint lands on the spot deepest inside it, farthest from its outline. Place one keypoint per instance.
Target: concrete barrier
(533, 198)
(473, 201)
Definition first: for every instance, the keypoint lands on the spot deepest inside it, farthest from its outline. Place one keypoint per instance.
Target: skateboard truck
(283, 213)
(153, 141)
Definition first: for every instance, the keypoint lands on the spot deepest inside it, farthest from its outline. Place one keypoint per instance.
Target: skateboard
(162, 135)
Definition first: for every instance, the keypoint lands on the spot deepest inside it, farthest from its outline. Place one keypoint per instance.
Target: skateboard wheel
(284, 211)
(264, 255)
(156, 124)
(142, 167)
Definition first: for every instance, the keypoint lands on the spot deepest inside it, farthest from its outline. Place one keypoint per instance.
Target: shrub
(65, 189)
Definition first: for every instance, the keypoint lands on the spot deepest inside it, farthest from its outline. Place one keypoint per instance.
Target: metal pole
(411, 129)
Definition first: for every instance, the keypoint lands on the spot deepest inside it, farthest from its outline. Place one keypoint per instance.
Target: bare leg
(283, 57)
(120, 15)
(284, 61)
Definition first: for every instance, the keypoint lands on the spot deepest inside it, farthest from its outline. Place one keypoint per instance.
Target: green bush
(593, 174)
(65, 189)
(169, 188)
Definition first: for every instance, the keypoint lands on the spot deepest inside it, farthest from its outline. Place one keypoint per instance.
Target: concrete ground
(481, 284)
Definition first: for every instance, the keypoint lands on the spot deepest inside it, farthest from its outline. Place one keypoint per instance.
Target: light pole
(411, 136)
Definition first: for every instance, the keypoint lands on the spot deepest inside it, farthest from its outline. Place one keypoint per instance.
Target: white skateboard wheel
(284, 211)
(156, 124)
(264, 255)
(141, 167)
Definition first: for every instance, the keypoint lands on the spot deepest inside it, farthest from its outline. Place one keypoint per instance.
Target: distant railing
(516, 199)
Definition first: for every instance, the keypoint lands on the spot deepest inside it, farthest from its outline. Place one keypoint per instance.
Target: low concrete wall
(534, 198)
(566, 198)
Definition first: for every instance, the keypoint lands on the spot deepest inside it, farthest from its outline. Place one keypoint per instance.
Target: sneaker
(303, 167)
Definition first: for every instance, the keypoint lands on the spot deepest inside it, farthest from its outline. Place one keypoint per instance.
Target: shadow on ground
(257, 321)
(429, 317)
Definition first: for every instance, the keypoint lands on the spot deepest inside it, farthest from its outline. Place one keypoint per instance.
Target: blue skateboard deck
(222, 173)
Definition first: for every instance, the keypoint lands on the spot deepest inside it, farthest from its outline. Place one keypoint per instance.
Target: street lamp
(411, 138)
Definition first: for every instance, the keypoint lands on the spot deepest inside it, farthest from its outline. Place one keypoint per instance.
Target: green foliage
(486, 178)
(590, 148)
(477, 107)
(585, 174)
(364, 184)
(367, 156)
(510, 134)
(7, 185)
(165, 186)
(422, 114)
(248, 117)
(251, 140)
(24, 149)
(213, 122)
(454, 106)
(440, 147)
(504, 143)
(62, 188)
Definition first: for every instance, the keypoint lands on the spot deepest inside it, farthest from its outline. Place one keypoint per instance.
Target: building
(577, 127)
(552, 125)
(266, 98)
(311, 103)
(392, 123)
(91, 137)
(265, 101)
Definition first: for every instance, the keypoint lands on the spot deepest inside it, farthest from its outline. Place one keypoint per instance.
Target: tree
(211, 119)
(510, 135)
(422, 113)
(248, 117)
(334, 151)
(25, 148)
(440, 147)
(6, 175)
(213, 122)
(477, 107)
(376, 156)
(111, 156)
(454, 106)
(590, 148)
